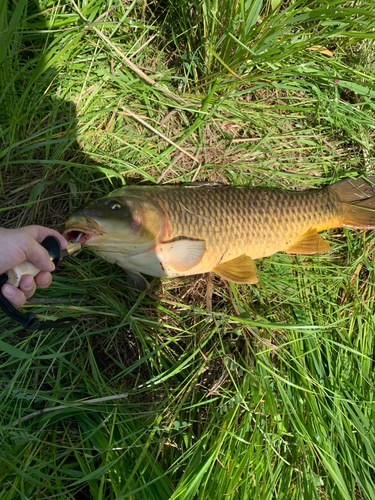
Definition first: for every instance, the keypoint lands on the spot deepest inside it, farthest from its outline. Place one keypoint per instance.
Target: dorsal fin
(198, 184)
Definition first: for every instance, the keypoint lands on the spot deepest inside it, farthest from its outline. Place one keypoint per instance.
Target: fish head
(117, 223)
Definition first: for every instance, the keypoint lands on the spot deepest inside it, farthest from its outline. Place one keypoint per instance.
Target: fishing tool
(13, 277)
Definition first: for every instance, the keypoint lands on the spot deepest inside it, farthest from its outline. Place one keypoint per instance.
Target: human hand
(17, 245)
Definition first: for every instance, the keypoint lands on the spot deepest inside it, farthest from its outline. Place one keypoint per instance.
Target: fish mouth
(82, 230)
(81, 235)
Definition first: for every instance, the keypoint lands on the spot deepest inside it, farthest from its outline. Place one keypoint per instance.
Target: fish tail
(357, 201)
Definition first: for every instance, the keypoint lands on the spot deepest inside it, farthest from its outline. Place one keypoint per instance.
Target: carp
(188, 229)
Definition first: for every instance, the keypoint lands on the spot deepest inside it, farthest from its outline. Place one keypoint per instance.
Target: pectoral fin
(182, 254)
(137, 281)
(309, 243)
(239, 270)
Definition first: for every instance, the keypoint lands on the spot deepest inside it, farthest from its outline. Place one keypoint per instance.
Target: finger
(36, 254)
(27, 285)
(43, 279)
(39, 233)
(14, 295)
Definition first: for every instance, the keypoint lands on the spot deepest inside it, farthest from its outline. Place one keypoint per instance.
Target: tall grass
(271, 395)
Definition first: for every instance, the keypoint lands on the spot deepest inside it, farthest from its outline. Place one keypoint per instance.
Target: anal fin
(309, 243)
(239, 270)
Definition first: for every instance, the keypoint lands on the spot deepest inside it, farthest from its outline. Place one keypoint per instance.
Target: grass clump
(271, 396)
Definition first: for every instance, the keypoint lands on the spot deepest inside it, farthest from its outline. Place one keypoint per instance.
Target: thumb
(39, 233)
(38, 255)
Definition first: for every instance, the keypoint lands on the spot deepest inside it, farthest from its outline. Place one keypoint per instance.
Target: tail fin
(357, 197)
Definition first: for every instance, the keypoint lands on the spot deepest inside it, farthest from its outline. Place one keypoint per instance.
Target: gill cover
(125, 217)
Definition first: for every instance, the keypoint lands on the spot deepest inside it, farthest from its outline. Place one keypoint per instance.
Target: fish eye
(113, 205)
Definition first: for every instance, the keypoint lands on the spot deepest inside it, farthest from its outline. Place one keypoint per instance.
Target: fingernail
(9, 292)
(27, 282)
(44, 280)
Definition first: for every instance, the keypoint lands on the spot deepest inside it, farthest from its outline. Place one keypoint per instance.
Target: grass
(271, 396)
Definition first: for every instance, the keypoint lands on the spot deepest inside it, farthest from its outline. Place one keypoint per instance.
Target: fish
(190, 229)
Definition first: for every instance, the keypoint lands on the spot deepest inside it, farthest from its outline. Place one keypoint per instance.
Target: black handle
(53, 247)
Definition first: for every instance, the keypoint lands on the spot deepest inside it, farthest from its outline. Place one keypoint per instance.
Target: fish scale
(233, 221)
(184, 229)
